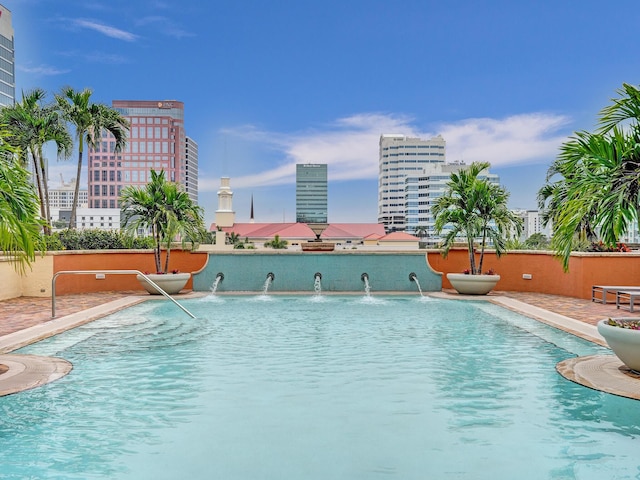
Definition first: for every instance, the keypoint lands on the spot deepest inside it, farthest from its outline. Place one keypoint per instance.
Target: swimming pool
(275, 387)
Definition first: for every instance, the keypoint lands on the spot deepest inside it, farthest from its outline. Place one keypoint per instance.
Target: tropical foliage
(166, 211)
(473, 208)
(20, 222)
(90, 120)
(277, 243)
(95, 239)
(31, 124)
(592, 190)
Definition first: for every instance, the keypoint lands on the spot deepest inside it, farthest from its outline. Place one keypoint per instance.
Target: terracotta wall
(184, 261)
(547, 275)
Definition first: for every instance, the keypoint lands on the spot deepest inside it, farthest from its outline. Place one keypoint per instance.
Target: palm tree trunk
(166, 261)
(76, 192)
(472, 256)
(156, 253)
(45, 190)
(36, 170)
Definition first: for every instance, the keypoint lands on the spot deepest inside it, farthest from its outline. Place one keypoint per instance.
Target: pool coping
(18, 377)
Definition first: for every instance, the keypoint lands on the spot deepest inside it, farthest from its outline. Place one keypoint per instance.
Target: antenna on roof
(251, 219)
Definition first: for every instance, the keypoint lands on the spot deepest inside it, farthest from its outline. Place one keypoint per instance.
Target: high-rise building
(7, 59)
(156, 141)
(189, 174)
(423, 191)
(402, 157)
(311, 193)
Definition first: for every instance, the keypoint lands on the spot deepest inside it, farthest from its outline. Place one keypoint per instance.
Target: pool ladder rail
(109, 272)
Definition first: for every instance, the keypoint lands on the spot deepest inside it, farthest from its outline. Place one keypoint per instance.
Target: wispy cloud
(96, 57)
(107, 30)
(350, 145)
(41, 70)
(165, 26)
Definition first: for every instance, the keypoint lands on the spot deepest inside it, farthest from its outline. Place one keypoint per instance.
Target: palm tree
(165, 210)
(277, 243)
(89, 120)
(20, 222)
(475, 208)
(31, 125)
(598, 188)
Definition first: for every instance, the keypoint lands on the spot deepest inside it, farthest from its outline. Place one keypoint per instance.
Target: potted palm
(475, 209)
(166, 211)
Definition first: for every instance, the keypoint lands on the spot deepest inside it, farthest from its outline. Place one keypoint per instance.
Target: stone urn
(467, 284)
(625, 342)
(171, 283)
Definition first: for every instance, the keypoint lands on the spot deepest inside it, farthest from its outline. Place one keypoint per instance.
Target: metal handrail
(116, 272)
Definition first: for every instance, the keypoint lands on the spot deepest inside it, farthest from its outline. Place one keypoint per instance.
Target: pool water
(274, 387)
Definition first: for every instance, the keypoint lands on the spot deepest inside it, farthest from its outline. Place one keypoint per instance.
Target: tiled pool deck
(28, 317)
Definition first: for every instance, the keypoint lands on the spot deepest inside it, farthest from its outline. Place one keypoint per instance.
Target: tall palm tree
(89, 120)
(474, 208)
(31, 125)
(165, 210)
(596, 189)
(20, 222)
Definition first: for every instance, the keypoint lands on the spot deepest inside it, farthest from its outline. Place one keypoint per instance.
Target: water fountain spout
(216, 282)
(414, 278)
(367, 289)
(317, 284)
(270, 278)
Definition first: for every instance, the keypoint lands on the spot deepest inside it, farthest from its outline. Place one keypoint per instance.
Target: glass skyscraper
(7, 59)
(311, 193)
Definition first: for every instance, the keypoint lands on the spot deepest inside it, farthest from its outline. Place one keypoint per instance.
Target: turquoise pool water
(306, 388)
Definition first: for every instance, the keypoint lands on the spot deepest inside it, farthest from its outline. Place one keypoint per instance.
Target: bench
(629, 295)
(599, 292)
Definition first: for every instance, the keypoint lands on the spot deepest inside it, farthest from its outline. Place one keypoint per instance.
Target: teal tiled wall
(294, 272)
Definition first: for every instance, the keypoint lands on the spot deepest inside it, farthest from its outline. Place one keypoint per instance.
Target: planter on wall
(624, 342)
(171, 283)
(472, 284)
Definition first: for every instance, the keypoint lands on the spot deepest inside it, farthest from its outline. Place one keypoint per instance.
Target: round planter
(472, 284)
(624, 342)
(171, 283)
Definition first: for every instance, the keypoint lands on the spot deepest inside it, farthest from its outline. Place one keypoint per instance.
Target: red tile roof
(399, 237)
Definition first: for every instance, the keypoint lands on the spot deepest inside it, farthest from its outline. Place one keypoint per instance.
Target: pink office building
(157, 141)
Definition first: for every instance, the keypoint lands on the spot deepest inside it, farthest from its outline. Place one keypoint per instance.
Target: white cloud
(107, 30)
(165, 26)
(512, 140)
(350, 145)
(41, 70)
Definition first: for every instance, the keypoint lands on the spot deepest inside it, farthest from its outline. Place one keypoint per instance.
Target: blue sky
(271, 83)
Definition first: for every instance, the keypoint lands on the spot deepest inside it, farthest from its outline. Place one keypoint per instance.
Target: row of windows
(133, 112)
(149, 132)
(396, 147)
(150, 147)
(6, 42)
(105, 204)
(7, 77)
(5, 65)
(8, 89)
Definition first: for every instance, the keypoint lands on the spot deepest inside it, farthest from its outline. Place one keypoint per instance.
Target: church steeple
(251, 219)
(225, 216)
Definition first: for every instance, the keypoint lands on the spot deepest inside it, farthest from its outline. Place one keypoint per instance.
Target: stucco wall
(34, 283)
(547, 275)
(184, 261)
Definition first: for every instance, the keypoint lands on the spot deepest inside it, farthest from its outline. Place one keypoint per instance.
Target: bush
(96, 240)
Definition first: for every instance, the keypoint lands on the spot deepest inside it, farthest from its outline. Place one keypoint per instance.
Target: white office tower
(401, 158)
(423, 191)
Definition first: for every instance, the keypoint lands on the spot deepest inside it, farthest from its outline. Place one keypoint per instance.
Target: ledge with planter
(623, 336)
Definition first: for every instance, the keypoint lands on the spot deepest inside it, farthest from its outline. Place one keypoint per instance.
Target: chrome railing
(108, 272)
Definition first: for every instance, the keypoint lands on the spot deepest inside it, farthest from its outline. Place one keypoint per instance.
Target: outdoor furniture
(599, 292)
(629, 295)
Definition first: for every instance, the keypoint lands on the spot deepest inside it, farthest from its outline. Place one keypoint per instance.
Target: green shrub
(94, 239)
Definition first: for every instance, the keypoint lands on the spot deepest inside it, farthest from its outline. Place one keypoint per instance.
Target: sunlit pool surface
(273, 387)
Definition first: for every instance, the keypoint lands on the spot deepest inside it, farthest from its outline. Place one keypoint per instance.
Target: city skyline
(267, 87)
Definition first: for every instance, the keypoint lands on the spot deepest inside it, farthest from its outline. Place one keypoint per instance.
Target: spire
(251, 219)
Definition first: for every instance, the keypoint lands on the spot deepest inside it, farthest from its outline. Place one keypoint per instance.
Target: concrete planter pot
(472, 284)
(624, 342)
(171, 283)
